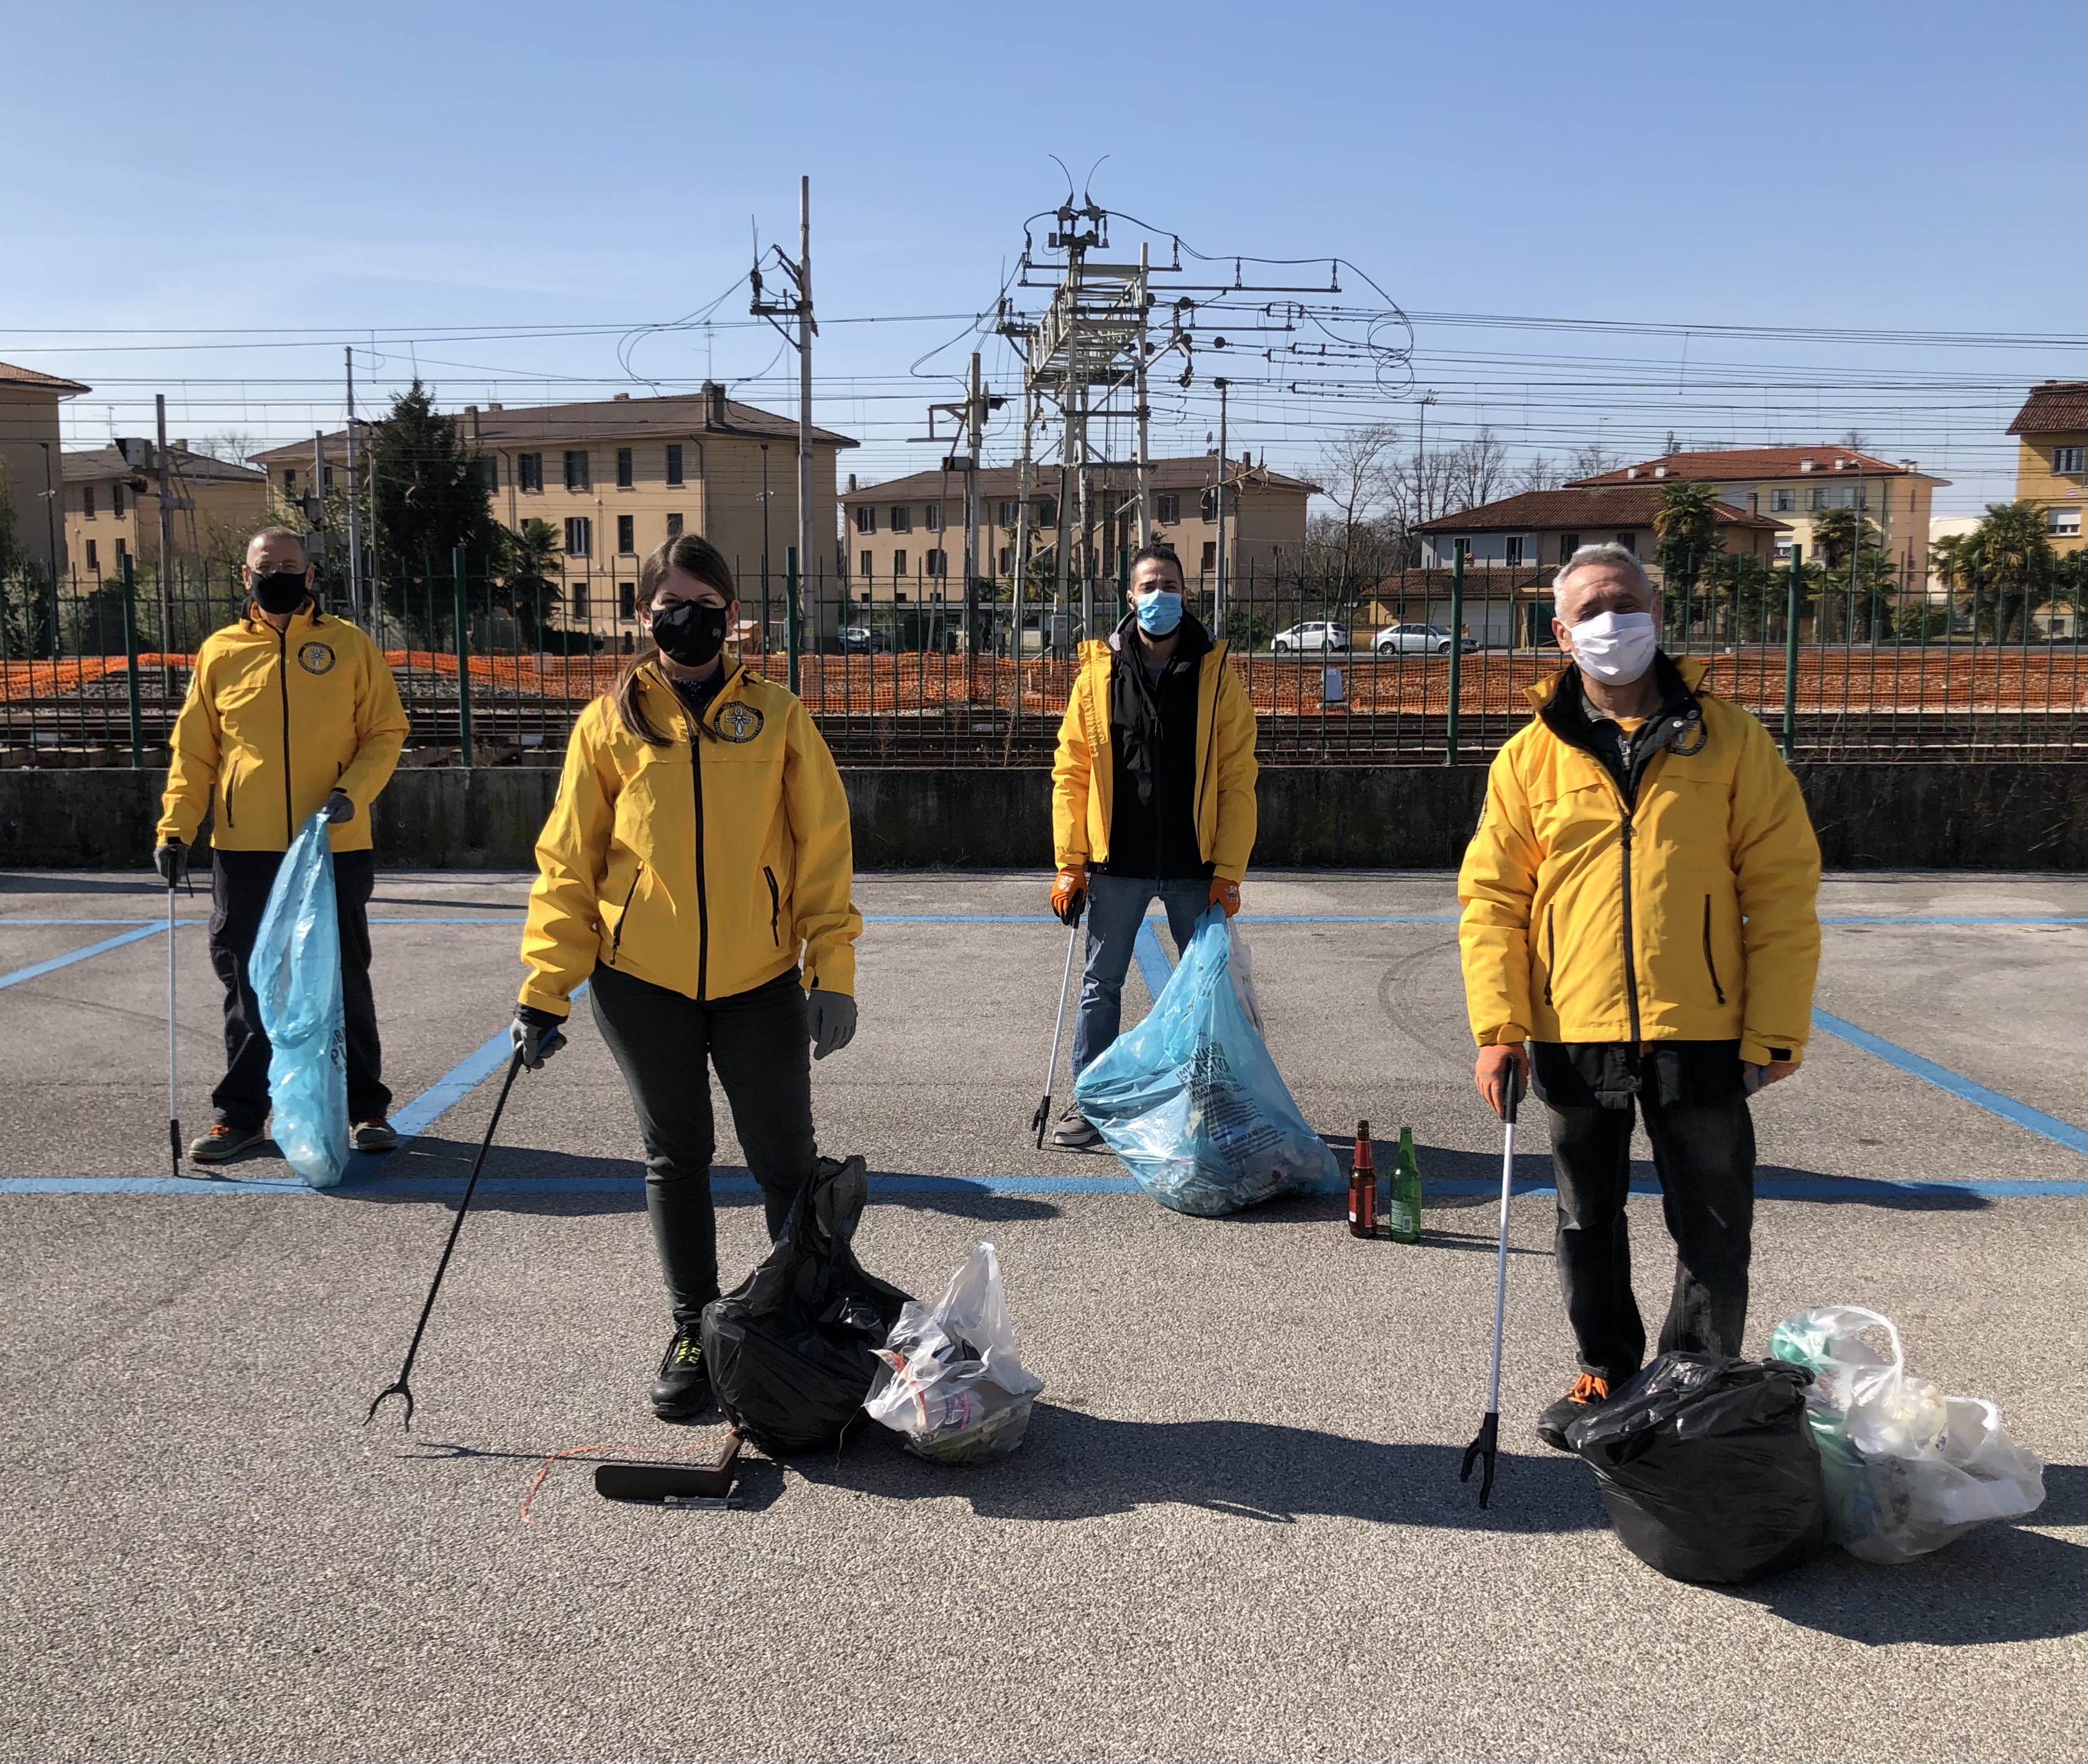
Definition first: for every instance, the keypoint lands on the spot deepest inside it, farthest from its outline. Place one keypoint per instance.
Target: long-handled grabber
(1042, 1120)
(401, 1387)
(1484, 1448)
(173, 1075)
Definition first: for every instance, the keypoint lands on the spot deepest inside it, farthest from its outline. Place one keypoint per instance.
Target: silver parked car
(1321, 634)
(1422, 640)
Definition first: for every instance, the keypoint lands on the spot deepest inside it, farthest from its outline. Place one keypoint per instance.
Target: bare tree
(1356, 472)
(1539, 473)
(234, 447)
(1591, 459)
(1855, 441)
(1478, 472)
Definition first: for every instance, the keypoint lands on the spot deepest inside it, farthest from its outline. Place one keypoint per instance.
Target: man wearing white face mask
(1152, 795)
(1641, 909)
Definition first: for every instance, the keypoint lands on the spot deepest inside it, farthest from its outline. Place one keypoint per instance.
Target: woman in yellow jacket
(698, 854)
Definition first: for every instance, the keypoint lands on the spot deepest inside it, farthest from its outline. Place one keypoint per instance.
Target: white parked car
(1420, 639)
(1321, 634)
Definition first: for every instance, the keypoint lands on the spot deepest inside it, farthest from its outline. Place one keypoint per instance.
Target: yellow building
(1791, 485)
(614, 477)
(2051, 432)
(112, 511)
(905, 538)
(31, 461)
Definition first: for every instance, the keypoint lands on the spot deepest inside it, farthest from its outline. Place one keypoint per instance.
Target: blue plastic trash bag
(295, 971)
(1192, 1104)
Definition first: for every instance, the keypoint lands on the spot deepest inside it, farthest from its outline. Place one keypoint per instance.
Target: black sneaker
(1074, 1132)
(1588, 1393)
(222, 1144)
(373, 1135)
(683, 1390)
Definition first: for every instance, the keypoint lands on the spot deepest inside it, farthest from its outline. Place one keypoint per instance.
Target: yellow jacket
(703, 865)
(1693, 916)
(1082, 778)
(274, 723)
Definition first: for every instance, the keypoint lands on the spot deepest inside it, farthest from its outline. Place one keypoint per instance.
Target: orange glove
(1225, 894)
(1069, 894)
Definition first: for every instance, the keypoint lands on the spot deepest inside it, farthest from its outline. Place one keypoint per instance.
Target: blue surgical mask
(1159, 612)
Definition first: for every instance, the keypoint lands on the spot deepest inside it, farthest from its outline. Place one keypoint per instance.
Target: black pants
(1704, 1153)
(238, 896)
(759, 1044)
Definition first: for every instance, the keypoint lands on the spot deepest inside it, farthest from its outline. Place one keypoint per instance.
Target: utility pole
(975, 424)
(1141, 409)
(354, 503)
(1218, 593)
(167, 640)
(798, 307)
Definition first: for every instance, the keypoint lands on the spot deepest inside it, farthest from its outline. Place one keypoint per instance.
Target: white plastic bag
(950, 1380)
(1908, 1468)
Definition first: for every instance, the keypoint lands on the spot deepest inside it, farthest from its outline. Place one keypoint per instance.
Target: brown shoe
(373, 1135)
(222, 1144)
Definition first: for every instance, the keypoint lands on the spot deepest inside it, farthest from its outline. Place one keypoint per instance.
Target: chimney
(496, 407)
(851, 483)
(1908, 464)
(621, 398)
(1805, 465)
(181, 446)
(1660, 471)
(714, 404)
(1631, 471)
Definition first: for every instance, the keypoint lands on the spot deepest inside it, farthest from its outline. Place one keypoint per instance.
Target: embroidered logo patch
(314, 658)
(1691, 738)
(739, 722)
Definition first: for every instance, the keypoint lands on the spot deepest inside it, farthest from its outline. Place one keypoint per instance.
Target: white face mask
(1616, 648)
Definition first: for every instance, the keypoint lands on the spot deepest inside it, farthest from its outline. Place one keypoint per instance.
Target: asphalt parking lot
(1234, 1531)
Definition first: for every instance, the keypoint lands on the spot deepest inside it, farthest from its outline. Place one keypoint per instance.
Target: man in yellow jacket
(1641, 909)
(289, 711)
(1152, 795)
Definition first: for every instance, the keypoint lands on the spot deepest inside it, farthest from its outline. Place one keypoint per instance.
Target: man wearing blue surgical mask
(1152, 795)
(1639, 939)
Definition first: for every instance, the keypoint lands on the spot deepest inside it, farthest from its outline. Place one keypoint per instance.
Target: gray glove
(172, 862)
(536, 1035)
(339, 807)
(831, 1018)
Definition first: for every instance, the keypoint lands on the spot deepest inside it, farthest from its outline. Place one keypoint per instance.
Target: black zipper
(1709, 963)
(775, 908)
(282, 679)
(703, 895)
(231, 779)
(1631, 958)
(616, 937)
(1550, 951)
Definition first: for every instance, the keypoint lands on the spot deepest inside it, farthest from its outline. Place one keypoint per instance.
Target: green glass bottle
(1403, 1217)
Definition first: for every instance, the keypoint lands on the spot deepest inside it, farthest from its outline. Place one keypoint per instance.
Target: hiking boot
(373, 1135)
(683, 1390)
(1075, 1132)
(1588, 1393)
(223, 1143)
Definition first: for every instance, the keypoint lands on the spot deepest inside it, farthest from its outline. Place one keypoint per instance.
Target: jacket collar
(307, 618)
(654, 680)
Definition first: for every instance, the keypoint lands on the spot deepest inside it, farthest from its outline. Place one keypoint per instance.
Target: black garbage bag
(792, 1351)
(1708, 1468)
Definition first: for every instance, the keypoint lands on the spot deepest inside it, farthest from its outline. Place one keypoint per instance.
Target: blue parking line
(55, 962)
(1154, 966)
(2022, 1114)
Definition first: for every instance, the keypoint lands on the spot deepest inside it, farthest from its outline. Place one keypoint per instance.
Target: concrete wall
(2002, 816)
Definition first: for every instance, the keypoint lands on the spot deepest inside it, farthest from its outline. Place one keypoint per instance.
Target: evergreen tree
(427, 497)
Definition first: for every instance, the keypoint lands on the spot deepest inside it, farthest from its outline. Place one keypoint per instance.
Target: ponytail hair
(694, 556)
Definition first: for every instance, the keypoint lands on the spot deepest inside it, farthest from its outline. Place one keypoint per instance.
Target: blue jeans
(1116, 909)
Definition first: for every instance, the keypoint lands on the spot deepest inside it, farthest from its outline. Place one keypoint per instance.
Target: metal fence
(921, 674)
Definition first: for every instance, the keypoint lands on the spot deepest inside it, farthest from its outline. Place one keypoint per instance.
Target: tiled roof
(2057, 407)
(1729, 464)
(1198, 473)
(1591, 507)
(93, 464)
(12, 375)
(600, 420)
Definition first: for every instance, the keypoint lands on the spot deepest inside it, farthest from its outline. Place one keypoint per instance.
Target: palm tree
(2018, 559)
(530, 584)
(1687, 523)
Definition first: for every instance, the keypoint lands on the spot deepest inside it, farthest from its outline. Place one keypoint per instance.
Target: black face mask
(283, 592)
(690, 633)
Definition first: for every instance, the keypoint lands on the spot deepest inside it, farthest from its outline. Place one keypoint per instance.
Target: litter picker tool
(1042, 1120)
(1488, 1443)
(674, 1485)
(173, 1104)
(401, 1387)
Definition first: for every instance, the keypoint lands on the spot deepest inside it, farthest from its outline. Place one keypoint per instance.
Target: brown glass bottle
(1362, 1187)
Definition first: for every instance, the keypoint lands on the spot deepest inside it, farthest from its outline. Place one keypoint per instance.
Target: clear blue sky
(394, 169)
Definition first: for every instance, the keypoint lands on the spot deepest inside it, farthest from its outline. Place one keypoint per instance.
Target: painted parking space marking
(1994, 1102)
(36, 969)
